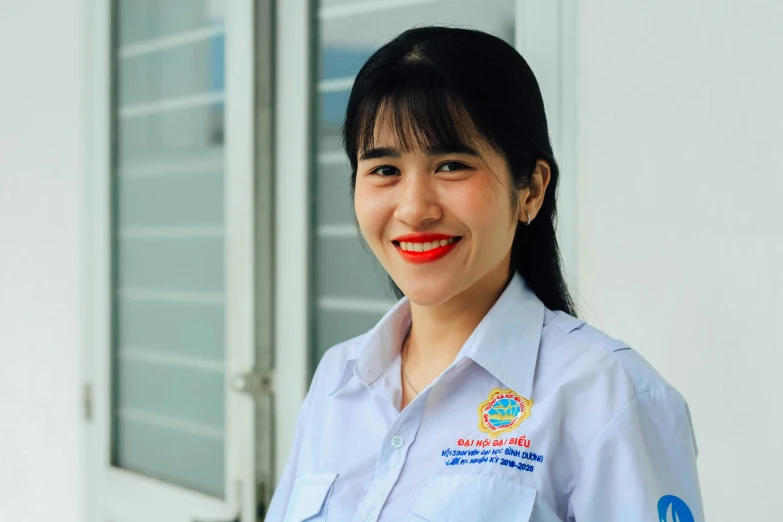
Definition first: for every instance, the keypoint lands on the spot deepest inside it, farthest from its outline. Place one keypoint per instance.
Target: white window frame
(293, 157)
(113, 493)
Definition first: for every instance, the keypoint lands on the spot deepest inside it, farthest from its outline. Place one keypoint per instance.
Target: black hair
(427, 81)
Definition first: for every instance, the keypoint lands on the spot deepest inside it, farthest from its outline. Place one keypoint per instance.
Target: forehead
(403, 131)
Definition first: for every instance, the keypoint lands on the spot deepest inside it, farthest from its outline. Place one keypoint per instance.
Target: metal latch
(258, 383)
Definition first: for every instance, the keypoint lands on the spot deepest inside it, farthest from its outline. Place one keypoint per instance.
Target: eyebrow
(437, 150)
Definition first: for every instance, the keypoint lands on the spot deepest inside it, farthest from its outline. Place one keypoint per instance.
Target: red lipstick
(427, 237)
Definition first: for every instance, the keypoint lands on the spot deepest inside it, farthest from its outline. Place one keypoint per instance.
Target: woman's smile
(425, 248)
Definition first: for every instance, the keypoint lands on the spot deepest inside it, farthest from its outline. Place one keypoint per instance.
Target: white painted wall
(42, 159)
(681, 243)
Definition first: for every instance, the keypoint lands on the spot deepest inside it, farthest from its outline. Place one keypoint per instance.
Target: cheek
(368, 207)
(482, 205)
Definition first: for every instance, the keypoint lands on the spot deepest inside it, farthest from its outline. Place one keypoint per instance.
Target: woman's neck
(438, 332)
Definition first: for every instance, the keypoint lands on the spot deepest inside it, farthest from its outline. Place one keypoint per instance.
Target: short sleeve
(642, 465)
(282, 493)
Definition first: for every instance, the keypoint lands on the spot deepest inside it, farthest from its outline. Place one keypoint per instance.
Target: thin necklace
(404, 360)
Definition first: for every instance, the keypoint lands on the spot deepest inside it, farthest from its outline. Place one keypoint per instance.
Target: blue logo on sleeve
(680, 512)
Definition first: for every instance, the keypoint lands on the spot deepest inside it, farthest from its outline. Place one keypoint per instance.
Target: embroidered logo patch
(503, 411)
(674, 506)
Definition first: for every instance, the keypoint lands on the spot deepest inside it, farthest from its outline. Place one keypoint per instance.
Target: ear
(531, 198)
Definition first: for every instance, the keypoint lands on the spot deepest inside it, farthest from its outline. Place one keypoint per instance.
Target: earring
(528, 217)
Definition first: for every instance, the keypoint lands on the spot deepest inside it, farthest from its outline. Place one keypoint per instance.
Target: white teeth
(423, 247)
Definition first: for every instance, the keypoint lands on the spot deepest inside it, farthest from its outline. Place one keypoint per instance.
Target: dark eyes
(387, 171)
(454, 166)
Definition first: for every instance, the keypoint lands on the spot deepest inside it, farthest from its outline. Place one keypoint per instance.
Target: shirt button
(397, 442)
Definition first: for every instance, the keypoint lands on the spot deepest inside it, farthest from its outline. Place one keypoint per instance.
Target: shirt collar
(379, 346)
(505, 342)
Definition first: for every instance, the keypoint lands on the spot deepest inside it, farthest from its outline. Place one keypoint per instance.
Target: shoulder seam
(665, 385)
(616, 342)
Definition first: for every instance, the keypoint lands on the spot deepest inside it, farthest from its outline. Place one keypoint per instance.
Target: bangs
(417, 108)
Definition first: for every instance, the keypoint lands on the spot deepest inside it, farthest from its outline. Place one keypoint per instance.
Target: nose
(417, 201)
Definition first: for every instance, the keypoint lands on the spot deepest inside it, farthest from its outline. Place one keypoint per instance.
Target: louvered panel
(169, 245)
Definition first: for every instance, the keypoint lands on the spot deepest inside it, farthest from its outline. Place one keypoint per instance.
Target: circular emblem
(503, 411)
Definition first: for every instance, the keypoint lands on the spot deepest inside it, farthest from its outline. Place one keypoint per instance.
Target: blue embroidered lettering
(476, 456)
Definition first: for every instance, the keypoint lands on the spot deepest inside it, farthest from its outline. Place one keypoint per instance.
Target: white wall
(42, 139)
(681, 243)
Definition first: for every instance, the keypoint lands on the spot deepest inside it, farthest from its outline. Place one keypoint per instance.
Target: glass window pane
(168, 348)
(351, 290)
(143, 20)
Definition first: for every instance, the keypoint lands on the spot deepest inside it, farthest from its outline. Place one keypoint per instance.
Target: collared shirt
(540, 417)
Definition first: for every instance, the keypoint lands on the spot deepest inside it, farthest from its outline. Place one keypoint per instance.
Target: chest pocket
(472, 498)
(310, 498)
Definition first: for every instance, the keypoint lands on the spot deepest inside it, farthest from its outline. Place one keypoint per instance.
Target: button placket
(392, 459)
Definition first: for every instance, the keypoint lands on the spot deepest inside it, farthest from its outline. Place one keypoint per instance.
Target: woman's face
(460, 195)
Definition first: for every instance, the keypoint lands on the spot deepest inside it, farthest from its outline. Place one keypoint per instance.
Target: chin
(428, 293)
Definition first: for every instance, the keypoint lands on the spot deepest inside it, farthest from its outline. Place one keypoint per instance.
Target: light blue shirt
(539, 418)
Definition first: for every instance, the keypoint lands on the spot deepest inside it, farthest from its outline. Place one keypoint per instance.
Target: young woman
(479, 396)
